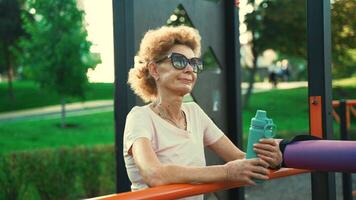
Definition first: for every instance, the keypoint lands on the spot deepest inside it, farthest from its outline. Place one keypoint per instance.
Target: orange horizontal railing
(349, 102)
(176, 191)
(349, 109)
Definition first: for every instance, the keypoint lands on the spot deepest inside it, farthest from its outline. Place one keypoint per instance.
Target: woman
(164, 141)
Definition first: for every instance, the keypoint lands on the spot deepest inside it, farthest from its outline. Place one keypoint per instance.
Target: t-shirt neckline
(169, 125)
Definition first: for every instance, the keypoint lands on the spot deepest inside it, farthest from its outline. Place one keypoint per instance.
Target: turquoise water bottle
(261, 127)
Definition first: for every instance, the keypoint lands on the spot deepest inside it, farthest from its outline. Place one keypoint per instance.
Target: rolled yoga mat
(321, 155)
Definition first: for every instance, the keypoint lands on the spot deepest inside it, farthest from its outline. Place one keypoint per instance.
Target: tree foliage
(344, 37)
(57, 51)
(277, 22)
(10, 32)
(281, 25)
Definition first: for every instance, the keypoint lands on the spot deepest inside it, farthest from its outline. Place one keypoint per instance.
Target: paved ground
(296, 187)
(81, 108)
(263, 86)
(291, 188)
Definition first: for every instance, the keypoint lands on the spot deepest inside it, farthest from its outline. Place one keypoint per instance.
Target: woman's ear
(152, 68)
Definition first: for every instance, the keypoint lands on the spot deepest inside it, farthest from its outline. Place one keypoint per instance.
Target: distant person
(164, 140)
(285, 73)
(273, 78)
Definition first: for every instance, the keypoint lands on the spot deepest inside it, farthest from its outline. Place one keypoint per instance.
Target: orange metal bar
(349, 109)
(353, 111)
(349, 102)
(336, 116)
(176, 191)
(316, 128)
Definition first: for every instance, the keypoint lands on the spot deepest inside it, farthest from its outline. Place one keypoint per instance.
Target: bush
(66, 173)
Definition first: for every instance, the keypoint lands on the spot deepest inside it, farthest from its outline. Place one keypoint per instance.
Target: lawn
(288, 109)
(91, 130)
(29, 95)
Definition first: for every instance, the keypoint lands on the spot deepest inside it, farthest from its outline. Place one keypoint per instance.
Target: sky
(99, 24)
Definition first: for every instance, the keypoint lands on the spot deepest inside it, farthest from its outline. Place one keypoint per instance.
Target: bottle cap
(260, 119)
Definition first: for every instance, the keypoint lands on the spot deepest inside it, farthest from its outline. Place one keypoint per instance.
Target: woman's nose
(189, 68)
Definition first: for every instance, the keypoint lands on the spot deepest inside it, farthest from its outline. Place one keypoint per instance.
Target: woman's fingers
(260, 170)
(268, 141)
(266, 147)
(258, 176)
(264, 152)
(259, 162)
(266, 158)
(250, 181)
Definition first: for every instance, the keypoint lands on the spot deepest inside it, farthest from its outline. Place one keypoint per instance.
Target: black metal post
(346, 177)
(233, 83)
(124, 98)
(319, 79)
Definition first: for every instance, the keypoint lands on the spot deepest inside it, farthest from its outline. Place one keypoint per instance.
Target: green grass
(29, 95)
(91, 130)
(287, 108)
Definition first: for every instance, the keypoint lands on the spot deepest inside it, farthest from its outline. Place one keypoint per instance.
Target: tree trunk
(63, 113)
(10, 72)
(251, 79)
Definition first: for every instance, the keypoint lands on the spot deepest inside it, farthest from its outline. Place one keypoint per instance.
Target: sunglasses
(180, 62)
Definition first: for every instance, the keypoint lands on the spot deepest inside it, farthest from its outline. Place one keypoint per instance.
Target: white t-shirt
(171, 144)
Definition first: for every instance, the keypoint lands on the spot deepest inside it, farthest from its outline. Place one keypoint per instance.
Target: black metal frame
(319, 79)
(124, 99)
(233, 83)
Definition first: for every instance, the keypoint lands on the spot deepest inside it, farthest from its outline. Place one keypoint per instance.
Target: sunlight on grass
(347, 82)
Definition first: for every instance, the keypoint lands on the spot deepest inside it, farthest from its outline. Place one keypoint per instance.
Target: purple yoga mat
(321, 155)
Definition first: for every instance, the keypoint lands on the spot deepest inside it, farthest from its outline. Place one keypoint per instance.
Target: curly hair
(154, 45)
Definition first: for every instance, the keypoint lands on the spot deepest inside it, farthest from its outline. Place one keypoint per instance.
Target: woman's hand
(246, 170)
(268, 150)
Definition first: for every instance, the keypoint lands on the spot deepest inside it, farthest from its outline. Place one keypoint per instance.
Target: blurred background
(56, 86)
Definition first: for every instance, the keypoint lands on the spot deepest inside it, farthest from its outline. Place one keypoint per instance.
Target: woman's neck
(170, 105)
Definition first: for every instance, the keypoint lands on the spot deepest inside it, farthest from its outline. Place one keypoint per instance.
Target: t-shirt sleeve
(212, 133)
(138, 125)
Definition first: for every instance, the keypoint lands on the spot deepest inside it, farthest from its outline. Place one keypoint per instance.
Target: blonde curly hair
(154, 45)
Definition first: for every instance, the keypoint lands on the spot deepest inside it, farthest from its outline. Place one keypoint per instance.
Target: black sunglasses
(179, 61)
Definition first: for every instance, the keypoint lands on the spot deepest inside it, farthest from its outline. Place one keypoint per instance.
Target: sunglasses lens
(179, 61)
(197, 64)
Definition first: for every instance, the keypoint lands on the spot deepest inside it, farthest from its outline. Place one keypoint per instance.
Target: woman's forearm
(169, 174)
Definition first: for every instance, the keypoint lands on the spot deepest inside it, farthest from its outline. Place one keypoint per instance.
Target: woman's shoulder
(192, 107)
(190, 104)
(139, 110)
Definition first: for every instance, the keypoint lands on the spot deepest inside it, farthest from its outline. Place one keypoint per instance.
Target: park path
(72, 109)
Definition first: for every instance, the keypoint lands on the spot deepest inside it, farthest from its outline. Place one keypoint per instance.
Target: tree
(10, 32)
(281, 25)
(343, 37)
(57, 51)
(277, 25)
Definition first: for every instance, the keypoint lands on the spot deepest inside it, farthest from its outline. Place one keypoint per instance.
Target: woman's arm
(226, 149)
(154, 173)
(267, 149)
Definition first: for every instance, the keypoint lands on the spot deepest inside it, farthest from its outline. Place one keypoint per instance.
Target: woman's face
(176, 81)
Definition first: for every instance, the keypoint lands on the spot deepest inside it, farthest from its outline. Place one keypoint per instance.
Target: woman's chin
(182, 91)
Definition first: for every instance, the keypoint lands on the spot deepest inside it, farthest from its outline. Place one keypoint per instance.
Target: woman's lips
(186, 80)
